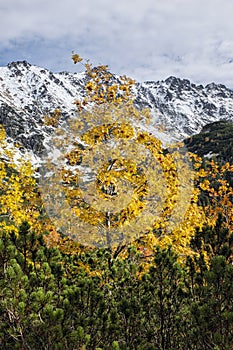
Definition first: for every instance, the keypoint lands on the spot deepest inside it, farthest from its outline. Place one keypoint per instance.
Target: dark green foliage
(50, 300)
(164, 299)
(217, 240)
(211, 304)
(215, 138)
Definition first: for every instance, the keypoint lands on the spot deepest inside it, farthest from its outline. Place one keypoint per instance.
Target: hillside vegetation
(214, 141)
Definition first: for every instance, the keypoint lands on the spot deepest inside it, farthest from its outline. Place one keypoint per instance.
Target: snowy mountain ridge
(28, 93)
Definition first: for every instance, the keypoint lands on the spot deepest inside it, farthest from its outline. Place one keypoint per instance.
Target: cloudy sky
(144, 39)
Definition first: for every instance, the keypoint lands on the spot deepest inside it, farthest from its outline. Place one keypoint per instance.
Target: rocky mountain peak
(18, 67)
(180, 107)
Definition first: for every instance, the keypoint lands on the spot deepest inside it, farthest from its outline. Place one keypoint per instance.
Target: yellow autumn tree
(217, 192)
(19, 199)
(109, 181)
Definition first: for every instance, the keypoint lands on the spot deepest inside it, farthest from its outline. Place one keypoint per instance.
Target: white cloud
(147, 39)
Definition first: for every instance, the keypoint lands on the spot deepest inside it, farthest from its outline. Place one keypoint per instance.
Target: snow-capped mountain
(28, 93)
(184, 108)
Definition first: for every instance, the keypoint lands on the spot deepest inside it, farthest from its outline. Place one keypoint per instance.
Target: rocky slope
(185, 107)
(28, 93)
